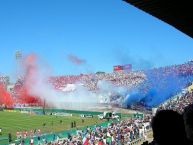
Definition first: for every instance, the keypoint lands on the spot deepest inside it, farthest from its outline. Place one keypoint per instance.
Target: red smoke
(25, 98)
(76, 60)
(23, 88)
(5, 97)
(30, 68)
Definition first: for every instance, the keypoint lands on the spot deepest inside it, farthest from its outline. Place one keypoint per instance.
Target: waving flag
(85, 141)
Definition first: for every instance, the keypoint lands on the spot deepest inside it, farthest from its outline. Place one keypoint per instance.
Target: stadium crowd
(129, 80)
(168, 128)
(126, 131)
(123, 132)
(178, 102)
(90, 81)
(182, 69)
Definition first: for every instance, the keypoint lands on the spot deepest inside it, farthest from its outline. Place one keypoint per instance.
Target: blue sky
(101, 32)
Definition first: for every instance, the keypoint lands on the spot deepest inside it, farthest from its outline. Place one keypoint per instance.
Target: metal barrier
(136, 141)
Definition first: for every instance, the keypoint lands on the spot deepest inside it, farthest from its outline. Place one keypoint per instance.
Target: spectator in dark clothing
(188, 120)
(10, 137)
(69, 137)
(74, 124)
(168, 128)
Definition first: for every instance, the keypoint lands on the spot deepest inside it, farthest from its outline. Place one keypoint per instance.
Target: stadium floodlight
(18, 55)
(18, 58)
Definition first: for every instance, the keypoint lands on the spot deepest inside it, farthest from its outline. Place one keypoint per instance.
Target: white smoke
(36, 80)
(108, 90)
(73, 96)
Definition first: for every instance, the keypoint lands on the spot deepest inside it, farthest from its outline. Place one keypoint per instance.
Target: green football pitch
(11, 122)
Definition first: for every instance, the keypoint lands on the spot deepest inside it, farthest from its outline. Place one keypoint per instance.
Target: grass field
(10, 122)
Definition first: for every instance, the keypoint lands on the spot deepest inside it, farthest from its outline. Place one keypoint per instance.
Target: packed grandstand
(145, 85)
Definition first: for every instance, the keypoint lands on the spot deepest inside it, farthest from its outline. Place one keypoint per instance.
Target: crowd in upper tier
(90, 81)
(121, 78)
(118, 78)
(179, 102)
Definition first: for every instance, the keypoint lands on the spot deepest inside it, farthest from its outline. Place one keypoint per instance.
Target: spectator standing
(31, 141)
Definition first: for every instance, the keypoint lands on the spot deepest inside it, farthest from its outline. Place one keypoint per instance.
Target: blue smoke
(160, 85)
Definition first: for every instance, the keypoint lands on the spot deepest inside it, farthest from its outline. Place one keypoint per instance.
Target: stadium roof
(178, 13)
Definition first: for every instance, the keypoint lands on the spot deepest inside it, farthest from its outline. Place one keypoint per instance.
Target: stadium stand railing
(4, 140)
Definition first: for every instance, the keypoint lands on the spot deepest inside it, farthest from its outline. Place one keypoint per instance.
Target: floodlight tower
(18, 58)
